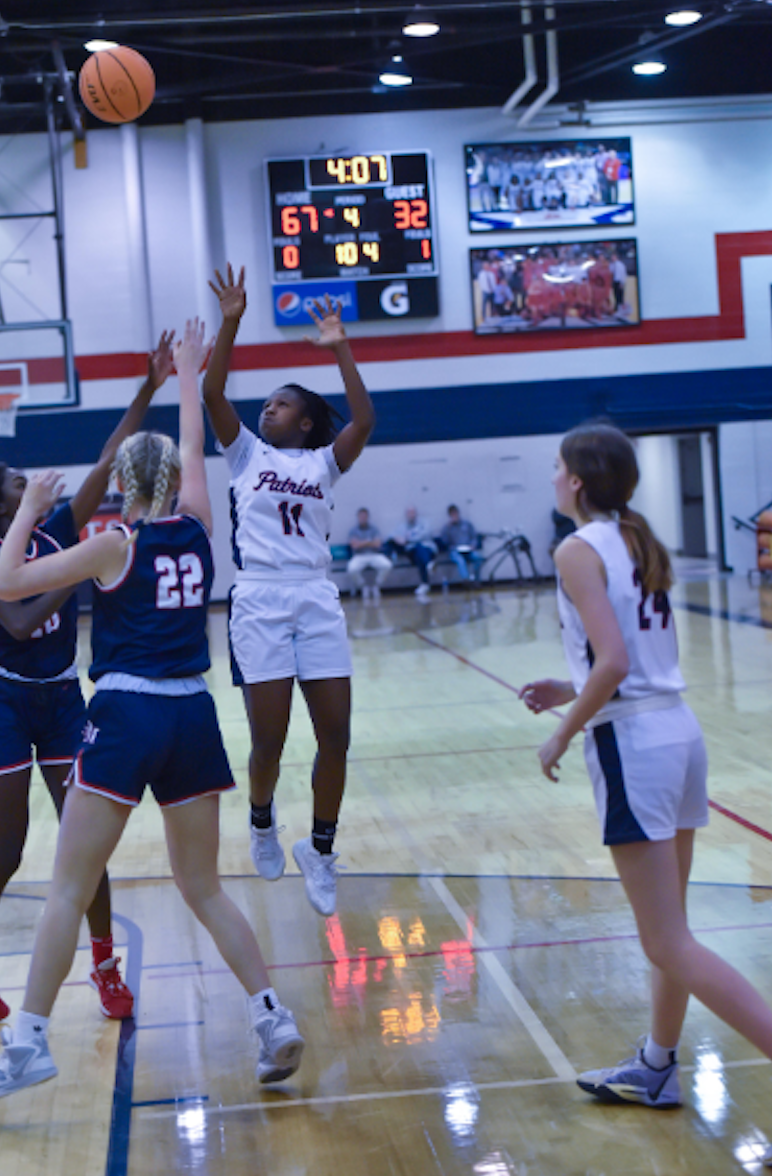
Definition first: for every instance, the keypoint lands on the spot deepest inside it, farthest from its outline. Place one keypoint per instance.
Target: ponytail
(647, 553)
(603, 458)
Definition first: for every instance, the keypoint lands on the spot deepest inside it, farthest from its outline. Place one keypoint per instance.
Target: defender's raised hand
(191, 351)
(160, 363)
(41, 492)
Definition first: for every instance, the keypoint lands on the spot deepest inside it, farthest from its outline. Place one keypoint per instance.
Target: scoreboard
(359, 227)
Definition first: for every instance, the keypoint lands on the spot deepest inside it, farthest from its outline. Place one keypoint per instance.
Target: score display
(338, 222)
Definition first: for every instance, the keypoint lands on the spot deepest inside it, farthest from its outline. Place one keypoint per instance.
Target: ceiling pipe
(529, 61)
(553, 74)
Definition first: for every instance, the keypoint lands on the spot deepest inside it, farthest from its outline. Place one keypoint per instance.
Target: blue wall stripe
(667, 400)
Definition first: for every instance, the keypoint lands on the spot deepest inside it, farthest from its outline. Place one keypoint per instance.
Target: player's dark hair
(3, 472)
(326, 419)
(603, 458)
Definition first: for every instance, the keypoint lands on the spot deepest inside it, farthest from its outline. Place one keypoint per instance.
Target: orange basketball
(117, 85)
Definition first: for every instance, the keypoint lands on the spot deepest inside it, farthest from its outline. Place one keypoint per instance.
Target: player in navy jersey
(286, 619)
(41, 706)
(151, 719)
(644, 750)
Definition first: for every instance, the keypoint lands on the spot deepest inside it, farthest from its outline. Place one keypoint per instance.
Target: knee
(265, 754)
(197, 892)
(665, 952)
(335, 737)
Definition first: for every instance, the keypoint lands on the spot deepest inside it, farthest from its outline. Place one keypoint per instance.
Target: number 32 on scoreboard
(411, 214)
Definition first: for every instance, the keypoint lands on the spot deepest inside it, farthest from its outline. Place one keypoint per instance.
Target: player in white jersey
(286, 619)
(643, 747)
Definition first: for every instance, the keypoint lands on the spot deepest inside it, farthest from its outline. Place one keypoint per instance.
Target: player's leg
(115, 998)
(192, 836)
(329, 705)
(268, 706)
(14, 822)
(59, 721)
(91, 828)
(650, 874)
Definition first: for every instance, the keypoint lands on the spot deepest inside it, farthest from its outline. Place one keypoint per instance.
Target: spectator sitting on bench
(462, 543)
(413, 539)
(365, 542)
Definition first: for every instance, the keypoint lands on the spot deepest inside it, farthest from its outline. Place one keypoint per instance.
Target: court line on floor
(702, 609)
(533, 1026)
(278, 1103)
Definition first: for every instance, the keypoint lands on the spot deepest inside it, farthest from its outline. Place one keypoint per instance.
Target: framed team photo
(552, 286)
(554, 184)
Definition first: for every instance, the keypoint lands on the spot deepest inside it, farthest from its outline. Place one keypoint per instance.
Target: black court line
(705, 610)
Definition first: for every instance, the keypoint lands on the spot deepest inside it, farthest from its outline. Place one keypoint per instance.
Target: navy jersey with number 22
(151, 622)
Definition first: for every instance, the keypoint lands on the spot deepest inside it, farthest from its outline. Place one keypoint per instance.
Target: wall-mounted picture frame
(549, 184)
(558, 286)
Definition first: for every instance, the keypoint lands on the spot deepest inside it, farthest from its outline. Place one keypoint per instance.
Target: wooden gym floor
(482, 953)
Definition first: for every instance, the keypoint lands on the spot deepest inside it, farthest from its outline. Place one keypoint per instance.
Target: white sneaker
(266, 851)
(24, 1065)
(635, 1081)
(320, 873)
(281, 1045)
(422, 590)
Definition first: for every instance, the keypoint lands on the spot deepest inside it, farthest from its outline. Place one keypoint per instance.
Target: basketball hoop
(8, 405)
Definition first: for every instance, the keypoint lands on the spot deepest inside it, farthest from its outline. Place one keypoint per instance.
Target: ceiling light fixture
(96, 45)
(683, 18)
(396, 73)
(649, 69)
(420, 23)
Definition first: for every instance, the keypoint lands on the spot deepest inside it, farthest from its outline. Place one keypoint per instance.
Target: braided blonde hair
(147, 465)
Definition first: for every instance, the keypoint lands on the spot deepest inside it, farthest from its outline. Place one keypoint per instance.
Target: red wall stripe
(729, 323)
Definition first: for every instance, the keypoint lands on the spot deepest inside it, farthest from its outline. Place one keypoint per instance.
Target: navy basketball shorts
(44, 717)
(287, 629)
(649, 775)
(171, 744)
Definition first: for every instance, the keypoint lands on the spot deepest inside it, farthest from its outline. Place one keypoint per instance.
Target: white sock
(28, 1026)
(657, 1056)
(263, 1002)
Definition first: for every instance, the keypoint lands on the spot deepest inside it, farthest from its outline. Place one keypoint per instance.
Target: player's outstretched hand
(41, 492)
(545, 694)
(230, 293)
(191, 351)
(327, 316)
(160, 363)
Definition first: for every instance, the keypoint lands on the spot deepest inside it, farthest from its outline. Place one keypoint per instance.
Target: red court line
(420, 955)
(719, 808)
(743, 821)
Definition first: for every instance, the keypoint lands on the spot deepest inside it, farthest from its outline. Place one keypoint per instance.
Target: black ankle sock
(261, 815)
(323, 835)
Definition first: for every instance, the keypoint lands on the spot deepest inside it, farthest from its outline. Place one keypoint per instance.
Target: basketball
(117, 85)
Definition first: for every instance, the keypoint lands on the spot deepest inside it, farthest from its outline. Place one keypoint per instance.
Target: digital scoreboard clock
(356, 227)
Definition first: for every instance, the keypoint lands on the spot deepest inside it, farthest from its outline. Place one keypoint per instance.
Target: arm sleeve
(238, 453)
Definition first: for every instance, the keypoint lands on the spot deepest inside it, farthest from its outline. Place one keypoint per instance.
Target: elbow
(619, 667)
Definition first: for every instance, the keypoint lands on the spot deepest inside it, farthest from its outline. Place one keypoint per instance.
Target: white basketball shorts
(287, 629)
(649, 774)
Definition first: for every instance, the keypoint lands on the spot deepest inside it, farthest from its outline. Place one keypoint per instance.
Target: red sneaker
(115, 999)
(5, 1012)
